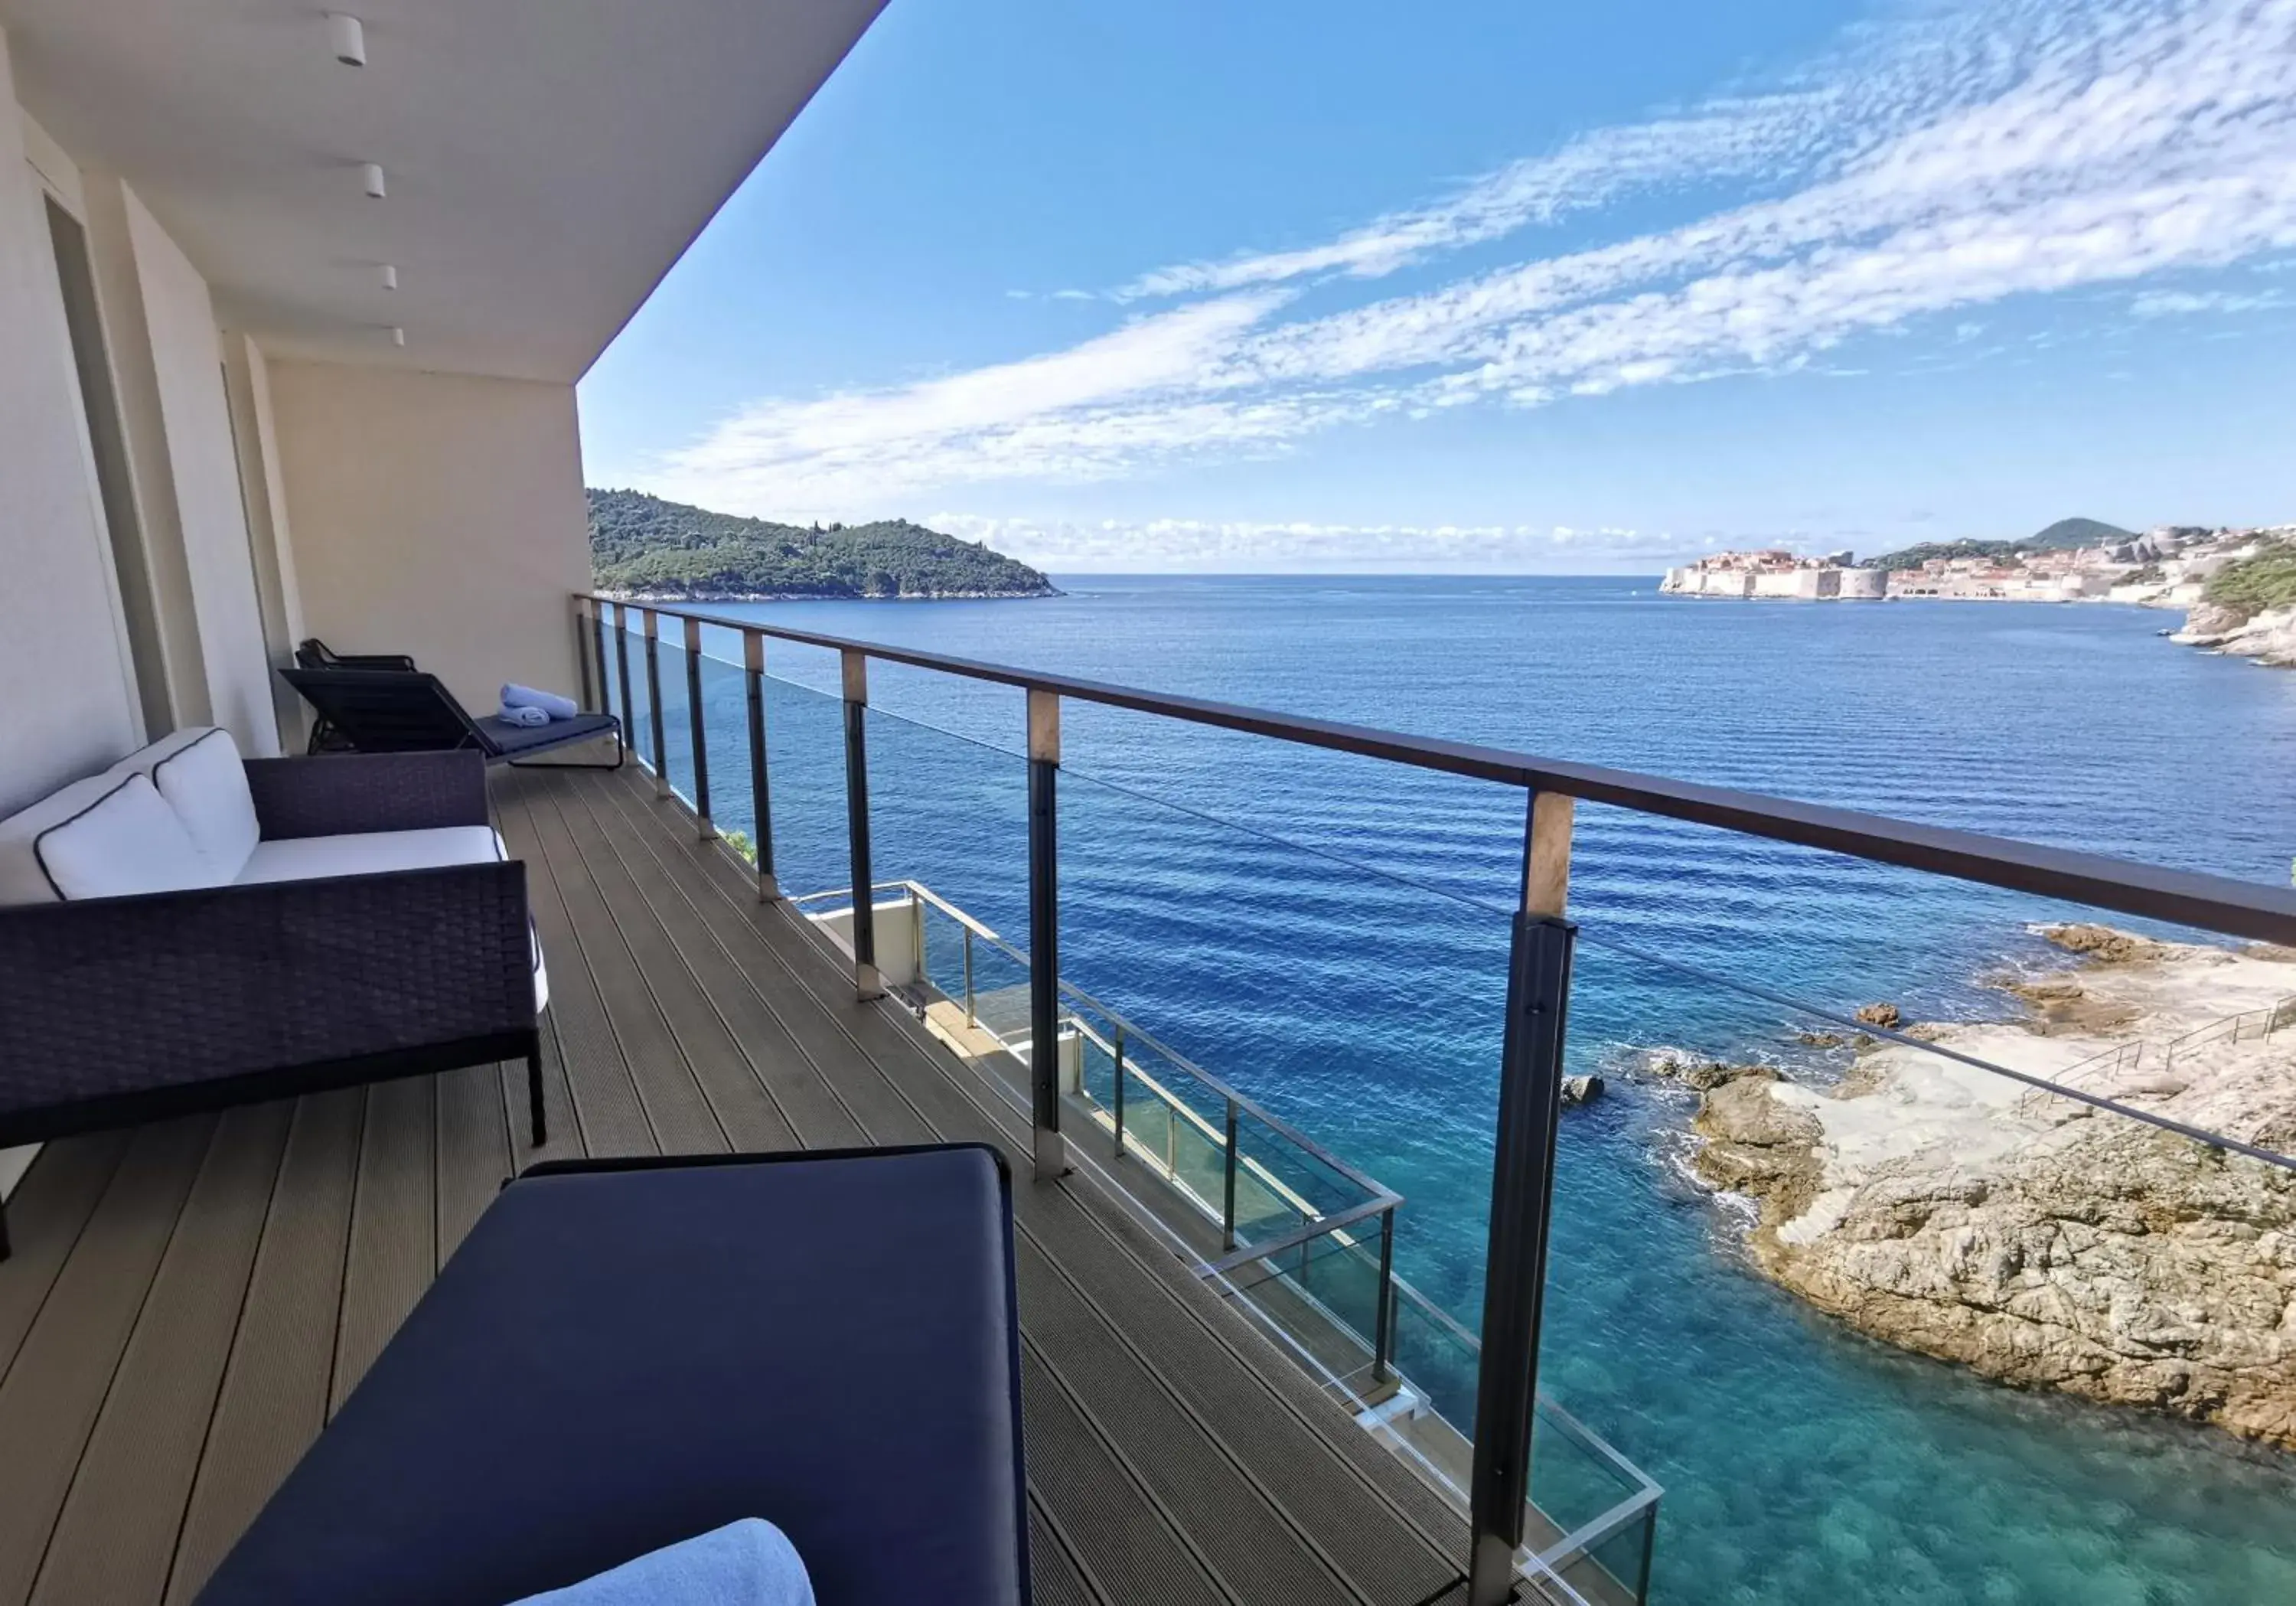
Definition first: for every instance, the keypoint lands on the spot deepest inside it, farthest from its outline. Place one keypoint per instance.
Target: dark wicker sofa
(120, 1010)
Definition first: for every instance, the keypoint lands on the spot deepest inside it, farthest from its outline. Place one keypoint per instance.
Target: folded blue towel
(746, 1563)
(515, 695)
(513, 713)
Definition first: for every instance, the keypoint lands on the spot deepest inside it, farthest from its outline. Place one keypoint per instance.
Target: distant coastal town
(2167, 566)
(2236, 585)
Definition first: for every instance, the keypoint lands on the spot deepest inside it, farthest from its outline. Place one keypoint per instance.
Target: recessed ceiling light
(347, 36)
(372, 173)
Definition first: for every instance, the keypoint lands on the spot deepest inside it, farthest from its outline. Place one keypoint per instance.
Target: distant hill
(2063, 533)
(2076, 533)
(643, 546)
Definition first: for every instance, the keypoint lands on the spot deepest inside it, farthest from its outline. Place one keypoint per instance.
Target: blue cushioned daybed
(625, 1354)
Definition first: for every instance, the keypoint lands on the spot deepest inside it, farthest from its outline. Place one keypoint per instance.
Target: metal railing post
(1523, 1198)
(582, 648)
(1382, 1338)
(622, 667)
(693, 718)
(653, 627)
(753, 670)
(598, 650)
(971, 1018)
(867, 984)
(1049, 1149)
(1227, 1185)
(917, 935)
(1116, 1097)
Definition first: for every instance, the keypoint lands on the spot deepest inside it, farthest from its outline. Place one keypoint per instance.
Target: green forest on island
(641, 544)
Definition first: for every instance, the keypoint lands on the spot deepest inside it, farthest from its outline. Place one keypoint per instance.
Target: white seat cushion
(22, 878)
(223, 829)
(200, 774)
(370, 852)
(127, 840)
(373, 852)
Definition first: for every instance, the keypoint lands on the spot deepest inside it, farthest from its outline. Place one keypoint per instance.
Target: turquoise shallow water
(1801, 1462)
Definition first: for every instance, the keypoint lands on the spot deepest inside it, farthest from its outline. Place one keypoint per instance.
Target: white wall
(187, 367)
(436, 515)
(151, 479)
(71, 706)
(247, 379)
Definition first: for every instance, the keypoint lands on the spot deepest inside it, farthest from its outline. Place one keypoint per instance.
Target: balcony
(1232, 1392)
(190, 1302)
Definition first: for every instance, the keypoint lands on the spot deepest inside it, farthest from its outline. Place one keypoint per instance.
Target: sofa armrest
(114, 998)
(337, 794)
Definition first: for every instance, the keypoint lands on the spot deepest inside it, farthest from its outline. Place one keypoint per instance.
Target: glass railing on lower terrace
(1299, 1240)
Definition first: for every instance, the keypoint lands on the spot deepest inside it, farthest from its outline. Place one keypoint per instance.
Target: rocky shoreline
(2267, 637)
(2039, 1241)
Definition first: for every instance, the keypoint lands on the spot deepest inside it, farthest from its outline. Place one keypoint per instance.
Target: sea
(1328, 933)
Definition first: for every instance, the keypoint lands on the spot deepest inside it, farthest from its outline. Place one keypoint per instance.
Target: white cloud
(1116, 545)
(1726, 140)
(2003, 151)
(2179, 303)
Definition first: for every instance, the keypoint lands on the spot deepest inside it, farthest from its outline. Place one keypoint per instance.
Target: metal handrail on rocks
(2234, 1027)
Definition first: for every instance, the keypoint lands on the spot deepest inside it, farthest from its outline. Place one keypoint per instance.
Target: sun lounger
(315, 654)
(407, 710)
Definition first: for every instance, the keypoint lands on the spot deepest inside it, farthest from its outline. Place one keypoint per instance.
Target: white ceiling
(547, 159)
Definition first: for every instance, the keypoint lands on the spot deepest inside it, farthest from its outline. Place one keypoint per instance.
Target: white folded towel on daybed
(553, 705)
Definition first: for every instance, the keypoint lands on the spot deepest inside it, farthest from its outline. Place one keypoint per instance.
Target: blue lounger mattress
(623, 1354)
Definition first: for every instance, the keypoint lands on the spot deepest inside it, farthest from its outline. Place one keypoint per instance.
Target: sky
(1494, 286)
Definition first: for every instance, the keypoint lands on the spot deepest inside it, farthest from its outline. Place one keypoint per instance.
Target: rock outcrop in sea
(2268, 638)
(2041, 1242)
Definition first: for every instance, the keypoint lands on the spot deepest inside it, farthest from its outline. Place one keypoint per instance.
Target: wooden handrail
(2219, 903)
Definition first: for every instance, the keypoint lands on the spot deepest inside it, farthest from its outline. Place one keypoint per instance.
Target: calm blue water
(1801, 1462)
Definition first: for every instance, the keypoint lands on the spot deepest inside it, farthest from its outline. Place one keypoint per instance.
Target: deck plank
(274, 1393)
(116, 1537)
(709, 934)
(52, 1204)
(563, 1136)
(394, 1226)
(473, 1149)
(818, 1013)
(745, 1111)
(1056, 1573)
(48, 1406)
(603, 1098)
(1136, 1549)
(677, 1112)
(1251, 1541)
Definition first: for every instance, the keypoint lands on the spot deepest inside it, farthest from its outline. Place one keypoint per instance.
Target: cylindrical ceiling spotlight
(372, 172)
(397, 335)
(389, 276)
(347, 36)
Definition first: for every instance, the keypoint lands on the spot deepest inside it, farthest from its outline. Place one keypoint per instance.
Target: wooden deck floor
(189, 1303)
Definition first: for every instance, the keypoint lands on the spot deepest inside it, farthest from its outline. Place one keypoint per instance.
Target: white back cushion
(204, 782)
(22, 878)
(127, 841)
